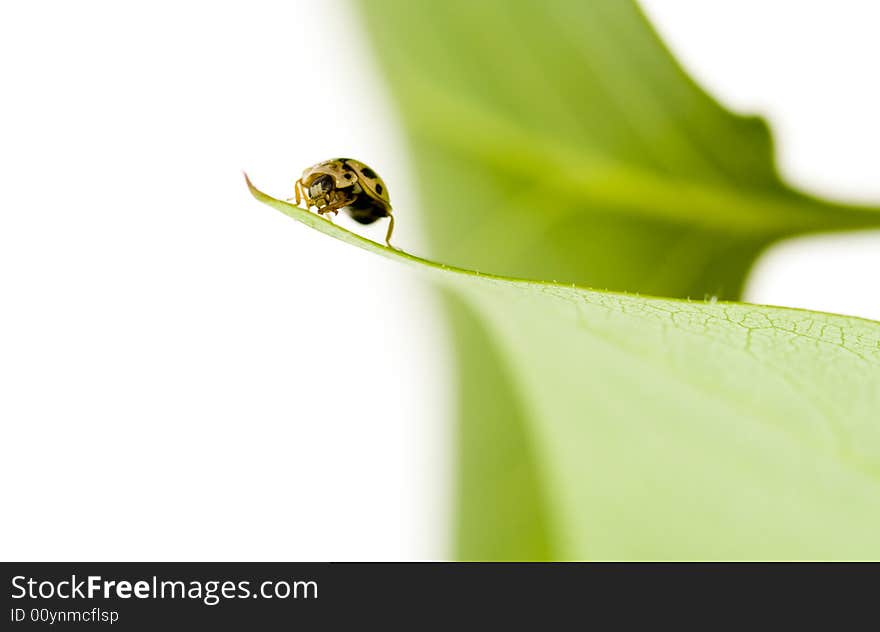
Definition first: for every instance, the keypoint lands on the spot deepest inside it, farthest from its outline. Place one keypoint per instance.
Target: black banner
(152, 596)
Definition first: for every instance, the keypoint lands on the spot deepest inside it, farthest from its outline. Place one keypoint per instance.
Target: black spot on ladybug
(379, 189)
(349, 176)
(369, 173)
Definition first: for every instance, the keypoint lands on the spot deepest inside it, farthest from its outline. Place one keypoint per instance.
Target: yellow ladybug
(349, 185)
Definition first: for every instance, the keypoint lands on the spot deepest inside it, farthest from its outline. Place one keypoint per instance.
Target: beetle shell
(347, 172)
(371, 194)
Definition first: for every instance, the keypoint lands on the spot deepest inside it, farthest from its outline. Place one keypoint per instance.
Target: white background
(186, 374)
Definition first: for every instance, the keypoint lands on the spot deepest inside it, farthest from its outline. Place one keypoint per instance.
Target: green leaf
(672, 429)
(559, 140)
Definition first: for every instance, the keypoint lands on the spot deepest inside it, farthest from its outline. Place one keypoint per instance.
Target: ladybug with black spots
(345, 184)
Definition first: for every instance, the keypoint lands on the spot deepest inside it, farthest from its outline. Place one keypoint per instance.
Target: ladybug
(345, 184)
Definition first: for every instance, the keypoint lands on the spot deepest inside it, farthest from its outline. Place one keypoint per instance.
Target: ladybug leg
(297, 195)
(390, 230)
(308, 203)
(335, 205)
(326, 203)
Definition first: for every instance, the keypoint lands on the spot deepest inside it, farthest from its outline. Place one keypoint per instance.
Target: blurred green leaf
(559, 140)
(671, 429)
